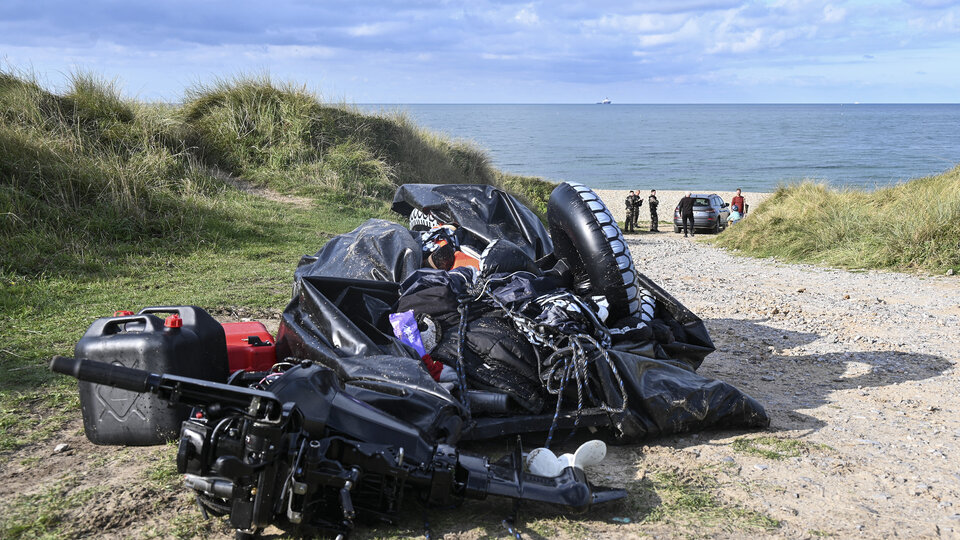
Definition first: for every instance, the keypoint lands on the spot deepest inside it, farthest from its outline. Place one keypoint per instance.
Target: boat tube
(586, 235)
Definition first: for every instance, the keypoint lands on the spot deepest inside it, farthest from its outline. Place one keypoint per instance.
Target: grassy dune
(911, 226)
(108, 203)
(88, 176)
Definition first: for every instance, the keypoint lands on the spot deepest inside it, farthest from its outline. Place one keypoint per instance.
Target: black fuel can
(188, 343)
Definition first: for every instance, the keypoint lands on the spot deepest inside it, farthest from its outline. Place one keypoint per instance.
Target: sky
(483, 51)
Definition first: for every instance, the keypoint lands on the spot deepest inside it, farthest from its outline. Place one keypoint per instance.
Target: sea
(718, 147)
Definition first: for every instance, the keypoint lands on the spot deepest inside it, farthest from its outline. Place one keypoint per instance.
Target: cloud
(933, 4)
(501, 42)
(527, 16)
(833, 14)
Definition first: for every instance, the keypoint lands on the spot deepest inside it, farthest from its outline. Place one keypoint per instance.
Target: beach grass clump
(85, 170)
(911, 226)
(88, 176)
(282, 136)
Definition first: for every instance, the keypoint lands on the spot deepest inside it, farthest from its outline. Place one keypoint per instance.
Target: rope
(464, 309)
(569, 357)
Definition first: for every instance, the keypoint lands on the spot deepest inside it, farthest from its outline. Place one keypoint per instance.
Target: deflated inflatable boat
(398, 343)
(543, 332)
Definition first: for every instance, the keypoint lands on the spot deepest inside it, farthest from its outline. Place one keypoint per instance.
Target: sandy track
(858, 366)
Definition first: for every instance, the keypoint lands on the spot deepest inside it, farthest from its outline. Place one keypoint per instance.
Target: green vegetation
(108, 203)
(773, 447)
(690, 500)
(912, 226)
(33, 516)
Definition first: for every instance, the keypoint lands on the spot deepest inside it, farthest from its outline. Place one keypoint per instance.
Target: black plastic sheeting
(378, 249)
(344, 294)
(483, 213)
(342, 324)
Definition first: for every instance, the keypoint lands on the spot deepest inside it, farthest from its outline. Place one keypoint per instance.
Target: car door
(723, 212)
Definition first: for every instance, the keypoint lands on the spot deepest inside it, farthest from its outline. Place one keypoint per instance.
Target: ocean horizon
(755, 147)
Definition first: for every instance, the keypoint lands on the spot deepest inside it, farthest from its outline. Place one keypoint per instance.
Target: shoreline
(614, 199)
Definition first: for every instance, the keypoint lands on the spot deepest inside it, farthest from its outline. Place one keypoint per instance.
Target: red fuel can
(250, 346)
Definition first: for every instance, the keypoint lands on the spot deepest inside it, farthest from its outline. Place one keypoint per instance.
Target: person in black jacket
(636, 210)
(686, 213)
(652, 202)
(631, 204)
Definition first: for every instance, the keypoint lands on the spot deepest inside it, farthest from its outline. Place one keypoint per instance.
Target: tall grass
(911, 226)
(283, 136)
(85, 170)
(88, 175)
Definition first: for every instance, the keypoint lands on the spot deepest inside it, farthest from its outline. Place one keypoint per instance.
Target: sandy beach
(614, 198)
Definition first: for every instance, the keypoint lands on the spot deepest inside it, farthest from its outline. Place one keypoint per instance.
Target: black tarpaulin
(342, 324)
(484, 213)
(377, 249)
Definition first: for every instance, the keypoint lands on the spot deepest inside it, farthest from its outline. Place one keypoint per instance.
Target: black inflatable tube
(587, 236)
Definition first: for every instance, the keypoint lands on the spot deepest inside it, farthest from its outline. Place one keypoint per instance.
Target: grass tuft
(690, 500)
(773, 447)
(911, 226)
(39, 515)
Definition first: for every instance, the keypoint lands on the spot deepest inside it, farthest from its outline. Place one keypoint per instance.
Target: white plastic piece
(543, 462)
(589, 454)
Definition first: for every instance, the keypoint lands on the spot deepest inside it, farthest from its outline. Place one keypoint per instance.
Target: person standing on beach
(652, 203)
(686, 213)
(739, 203)
(631, 204)
(636, 210)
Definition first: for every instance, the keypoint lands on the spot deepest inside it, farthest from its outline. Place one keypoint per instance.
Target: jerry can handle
(112, 325)
(161, 309)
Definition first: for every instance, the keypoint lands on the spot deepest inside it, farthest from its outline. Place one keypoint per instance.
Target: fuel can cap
(173, 321)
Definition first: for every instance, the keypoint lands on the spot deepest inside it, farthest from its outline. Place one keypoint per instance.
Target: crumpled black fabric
(515, 289)
(343, 295)
(484, 213)
(666, 397)
(496, 357)
(377, 249)
(504, 257)
(437, 293)
(342, 324)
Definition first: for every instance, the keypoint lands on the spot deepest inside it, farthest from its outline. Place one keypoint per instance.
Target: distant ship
(606, 101)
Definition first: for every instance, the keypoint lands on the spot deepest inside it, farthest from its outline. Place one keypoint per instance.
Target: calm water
(754, 147)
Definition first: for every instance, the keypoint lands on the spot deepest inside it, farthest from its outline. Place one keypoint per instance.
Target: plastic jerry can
(214, 366)
(144, 341)
(250, 346)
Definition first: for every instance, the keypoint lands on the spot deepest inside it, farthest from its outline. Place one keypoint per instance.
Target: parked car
(709, 212)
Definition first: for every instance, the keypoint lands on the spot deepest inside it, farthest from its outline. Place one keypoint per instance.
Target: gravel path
(857, 366)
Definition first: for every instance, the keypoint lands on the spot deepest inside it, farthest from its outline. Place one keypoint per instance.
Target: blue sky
(482, 51)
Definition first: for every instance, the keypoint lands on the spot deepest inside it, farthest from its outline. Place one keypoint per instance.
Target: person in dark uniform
(631, 204)
(686, 213)
(636, 212)
(652, 202)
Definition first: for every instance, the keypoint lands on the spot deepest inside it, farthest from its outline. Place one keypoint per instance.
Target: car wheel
(716, 227)
(675, 228)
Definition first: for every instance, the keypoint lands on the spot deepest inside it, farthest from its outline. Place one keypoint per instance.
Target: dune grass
(108, 203)
(912, 226)
(88, 176)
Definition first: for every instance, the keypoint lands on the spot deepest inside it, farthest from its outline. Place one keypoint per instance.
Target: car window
(701, 201)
